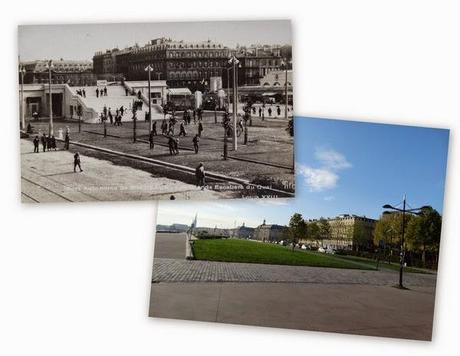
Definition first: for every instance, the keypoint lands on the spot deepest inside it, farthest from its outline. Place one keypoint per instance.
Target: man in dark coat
(200, 176)
(196, 141)
(76, 162)
(154, 128)
(200, 129)
(151, 140)
(44, 142)
(36, 142)
(182, 131)
(66, 141)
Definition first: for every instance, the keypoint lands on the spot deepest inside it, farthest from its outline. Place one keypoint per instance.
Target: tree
(297, 229)
(388, 230)
(424, 232)
(313, 232)
(324, 230)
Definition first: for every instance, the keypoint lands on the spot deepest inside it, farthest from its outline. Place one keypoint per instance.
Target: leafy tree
(297, 229)
(313, 232)
(424, 232)
(324, 229)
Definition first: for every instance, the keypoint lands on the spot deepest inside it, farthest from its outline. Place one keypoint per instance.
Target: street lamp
(404, 211)
(149, 70)
(234, 62)
(284, 67)
(22, 72)
(49, 65)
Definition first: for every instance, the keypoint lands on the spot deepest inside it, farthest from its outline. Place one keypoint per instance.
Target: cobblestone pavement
(173, 270)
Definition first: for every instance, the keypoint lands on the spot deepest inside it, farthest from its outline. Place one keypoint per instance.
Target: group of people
(101, 92)
(81, 92)
(49, 143)
(106, 114)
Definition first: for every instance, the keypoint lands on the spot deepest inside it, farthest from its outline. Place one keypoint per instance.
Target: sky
(80, 42)
(342, 167)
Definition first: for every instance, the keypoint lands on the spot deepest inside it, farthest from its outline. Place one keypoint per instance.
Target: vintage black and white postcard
(146, 111)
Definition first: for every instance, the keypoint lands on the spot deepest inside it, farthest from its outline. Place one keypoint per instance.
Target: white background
(75, 279)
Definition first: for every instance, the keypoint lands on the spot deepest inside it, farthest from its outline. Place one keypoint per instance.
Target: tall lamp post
(404, 211)
(22, 72)
(234, 62)
(149, 70)
(49, 65)
(284, 67)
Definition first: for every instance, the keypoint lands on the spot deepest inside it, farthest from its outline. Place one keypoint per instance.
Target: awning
(179, 91)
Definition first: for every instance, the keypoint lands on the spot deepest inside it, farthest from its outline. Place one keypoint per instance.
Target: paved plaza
(309, 298)
(49, 177)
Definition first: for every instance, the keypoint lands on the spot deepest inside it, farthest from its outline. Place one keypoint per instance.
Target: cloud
(332, 159)
(318, 179)
(326, 175)
(329, 198)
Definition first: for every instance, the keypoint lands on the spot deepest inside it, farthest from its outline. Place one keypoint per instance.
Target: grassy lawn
(382, 264)
(233, 250)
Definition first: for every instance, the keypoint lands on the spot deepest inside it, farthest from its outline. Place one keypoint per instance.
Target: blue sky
(342, 167)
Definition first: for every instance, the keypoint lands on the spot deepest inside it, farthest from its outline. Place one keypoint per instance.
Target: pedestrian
(194, 116)
(105, 111)
(139, 95)
(278, 110)
(196, 142)
(171, 145)
(76, 162)
(146, 116)
(164, 127)
(176, 146)
(110, 117)
(182, 131)
(151, 140)
(200, 176)
(154, 128)
(260, 112)
(84, 93)
(66, 141)
(53, 143)
(44, 141)
(270, 111)
(126, 91)
(36, 142)
(254, 110)
(97, 92)
(105, 91)
(122, 110)
(200, 129)
(48, 142)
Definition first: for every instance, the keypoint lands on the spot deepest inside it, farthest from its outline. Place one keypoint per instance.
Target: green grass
(382, 264)
(233, 250)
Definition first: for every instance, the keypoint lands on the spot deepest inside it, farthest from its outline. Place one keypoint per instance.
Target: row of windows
(198, 64)
(195, 75)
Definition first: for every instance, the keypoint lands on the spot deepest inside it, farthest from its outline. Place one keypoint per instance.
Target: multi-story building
(188, 64)
(72, 72)
(270, 233)
(347, 231)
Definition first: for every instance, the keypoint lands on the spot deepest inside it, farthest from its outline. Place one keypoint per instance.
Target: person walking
(105, 91)
(97, 92)
(278, 110)
(126, 91)
(53, 143)
(171, 145)
(196, 143)
(110, 117)
(182, 131)
(270, 111)
(66, 141)
(44, 141)
(76, 162)
(84, 93)
(154, 128)
(260, 112)
(200, 129)
(151, 140)
(48, 142)
(200, 176)
(36, 142)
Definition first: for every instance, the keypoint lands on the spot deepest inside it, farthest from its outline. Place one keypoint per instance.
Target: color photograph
(355, 252)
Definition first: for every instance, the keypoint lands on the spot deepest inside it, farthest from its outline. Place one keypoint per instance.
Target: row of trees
(422, 236)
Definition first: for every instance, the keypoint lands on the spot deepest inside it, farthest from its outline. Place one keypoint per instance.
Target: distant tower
(243, 224)
(263, 222)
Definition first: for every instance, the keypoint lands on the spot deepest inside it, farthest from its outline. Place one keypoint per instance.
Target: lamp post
(134, 121)
(285, 68)
(404, 211)
(149, 70)
(49, 65)
(234, 62)
(22, 72)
